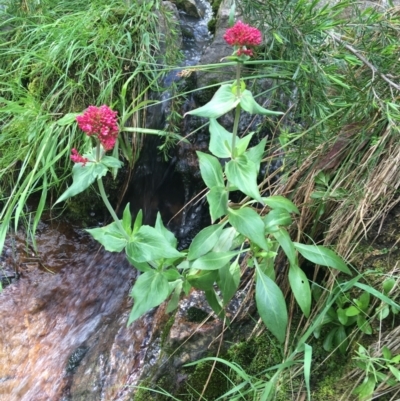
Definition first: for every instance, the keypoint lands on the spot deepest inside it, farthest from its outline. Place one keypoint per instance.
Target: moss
(196, 315)
(217, 385)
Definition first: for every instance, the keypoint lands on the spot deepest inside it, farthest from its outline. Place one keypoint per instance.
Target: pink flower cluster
(242, 36)
(100, 122)
(77, 158)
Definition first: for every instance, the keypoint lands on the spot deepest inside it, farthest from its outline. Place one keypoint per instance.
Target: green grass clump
(58, 58)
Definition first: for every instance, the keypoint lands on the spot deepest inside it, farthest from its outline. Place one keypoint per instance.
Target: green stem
(237, 111)
(110, 208)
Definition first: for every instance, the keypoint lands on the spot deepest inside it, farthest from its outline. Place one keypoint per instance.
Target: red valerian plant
(243, 36)
(100, 122)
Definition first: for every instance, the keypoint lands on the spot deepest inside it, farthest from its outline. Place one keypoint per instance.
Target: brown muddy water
(63, 333)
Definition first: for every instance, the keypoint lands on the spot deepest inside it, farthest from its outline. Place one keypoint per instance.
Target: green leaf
(256, 153)
(127, 220)
(271, 306)
(174, 301)
(83, 177)
(211, 170)
(150, 290)
(68, 119)
(222, 102)
(395, 372)
(352, 311)
(228, 281)
(388, 285)
(213, 260)
(341, 339)
(343, 318)
(202, 279)
(307, 368)
(276, 218)
(225, 241)
(366, 388)
(284, 240)
(243, 143)
(328, 341)
(322, 256)
(280, 202)
(215, 303)
(204, 241)
(141, 266)
(377, 294)
(363, 325)
(248, 104)
(242, 173)
(168, 235)
(363, 301)
(250, 224)
(138, 221)
(111, 162)
(301, 288)
(220, 140)
(148, 244)
(110, 237)
(217, 200)
(387, 354)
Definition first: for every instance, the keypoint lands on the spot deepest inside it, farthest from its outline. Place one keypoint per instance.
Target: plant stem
(237, 111)
(110, 208)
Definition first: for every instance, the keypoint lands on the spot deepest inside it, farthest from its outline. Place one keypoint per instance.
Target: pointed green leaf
(67, 119)
(256, 153)
(202, 279)
(285, 242)
(222, 102)
(83, 177)
(225, 241)
(242, 173)
(280, 202)
(220, 140)
(150, 290)
(248, 104)
(366, 389)
(328, 341)
(276, 218)
(204, 241)
(322, 256)
(341, 340)
(352, 311)
(343, 318)
(228, 281)
(301, 288)
(250, 224)
(243, 143)
(395, 372)
(213, 260)
(215, 303)
(138, 221)
(148, 244)
(217, 200)
(111, 162)
(271, 306)
(307, 368)
(174, 301)
(110, 237)
(168, 235)
(127, 220)
(387, 354)
(211, 170)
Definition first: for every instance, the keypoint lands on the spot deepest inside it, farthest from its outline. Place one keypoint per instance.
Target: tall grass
(58, 57)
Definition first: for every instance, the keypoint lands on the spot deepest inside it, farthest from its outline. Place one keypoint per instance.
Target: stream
(63, 323)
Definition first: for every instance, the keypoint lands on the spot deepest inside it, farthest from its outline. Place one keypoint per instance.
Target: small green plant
(349, 312)
(383, 369)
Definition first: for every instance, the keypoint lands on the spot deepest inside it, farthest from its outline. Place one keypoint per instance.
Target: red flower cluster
(243, 36)
(77, 158)
(100, 122)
